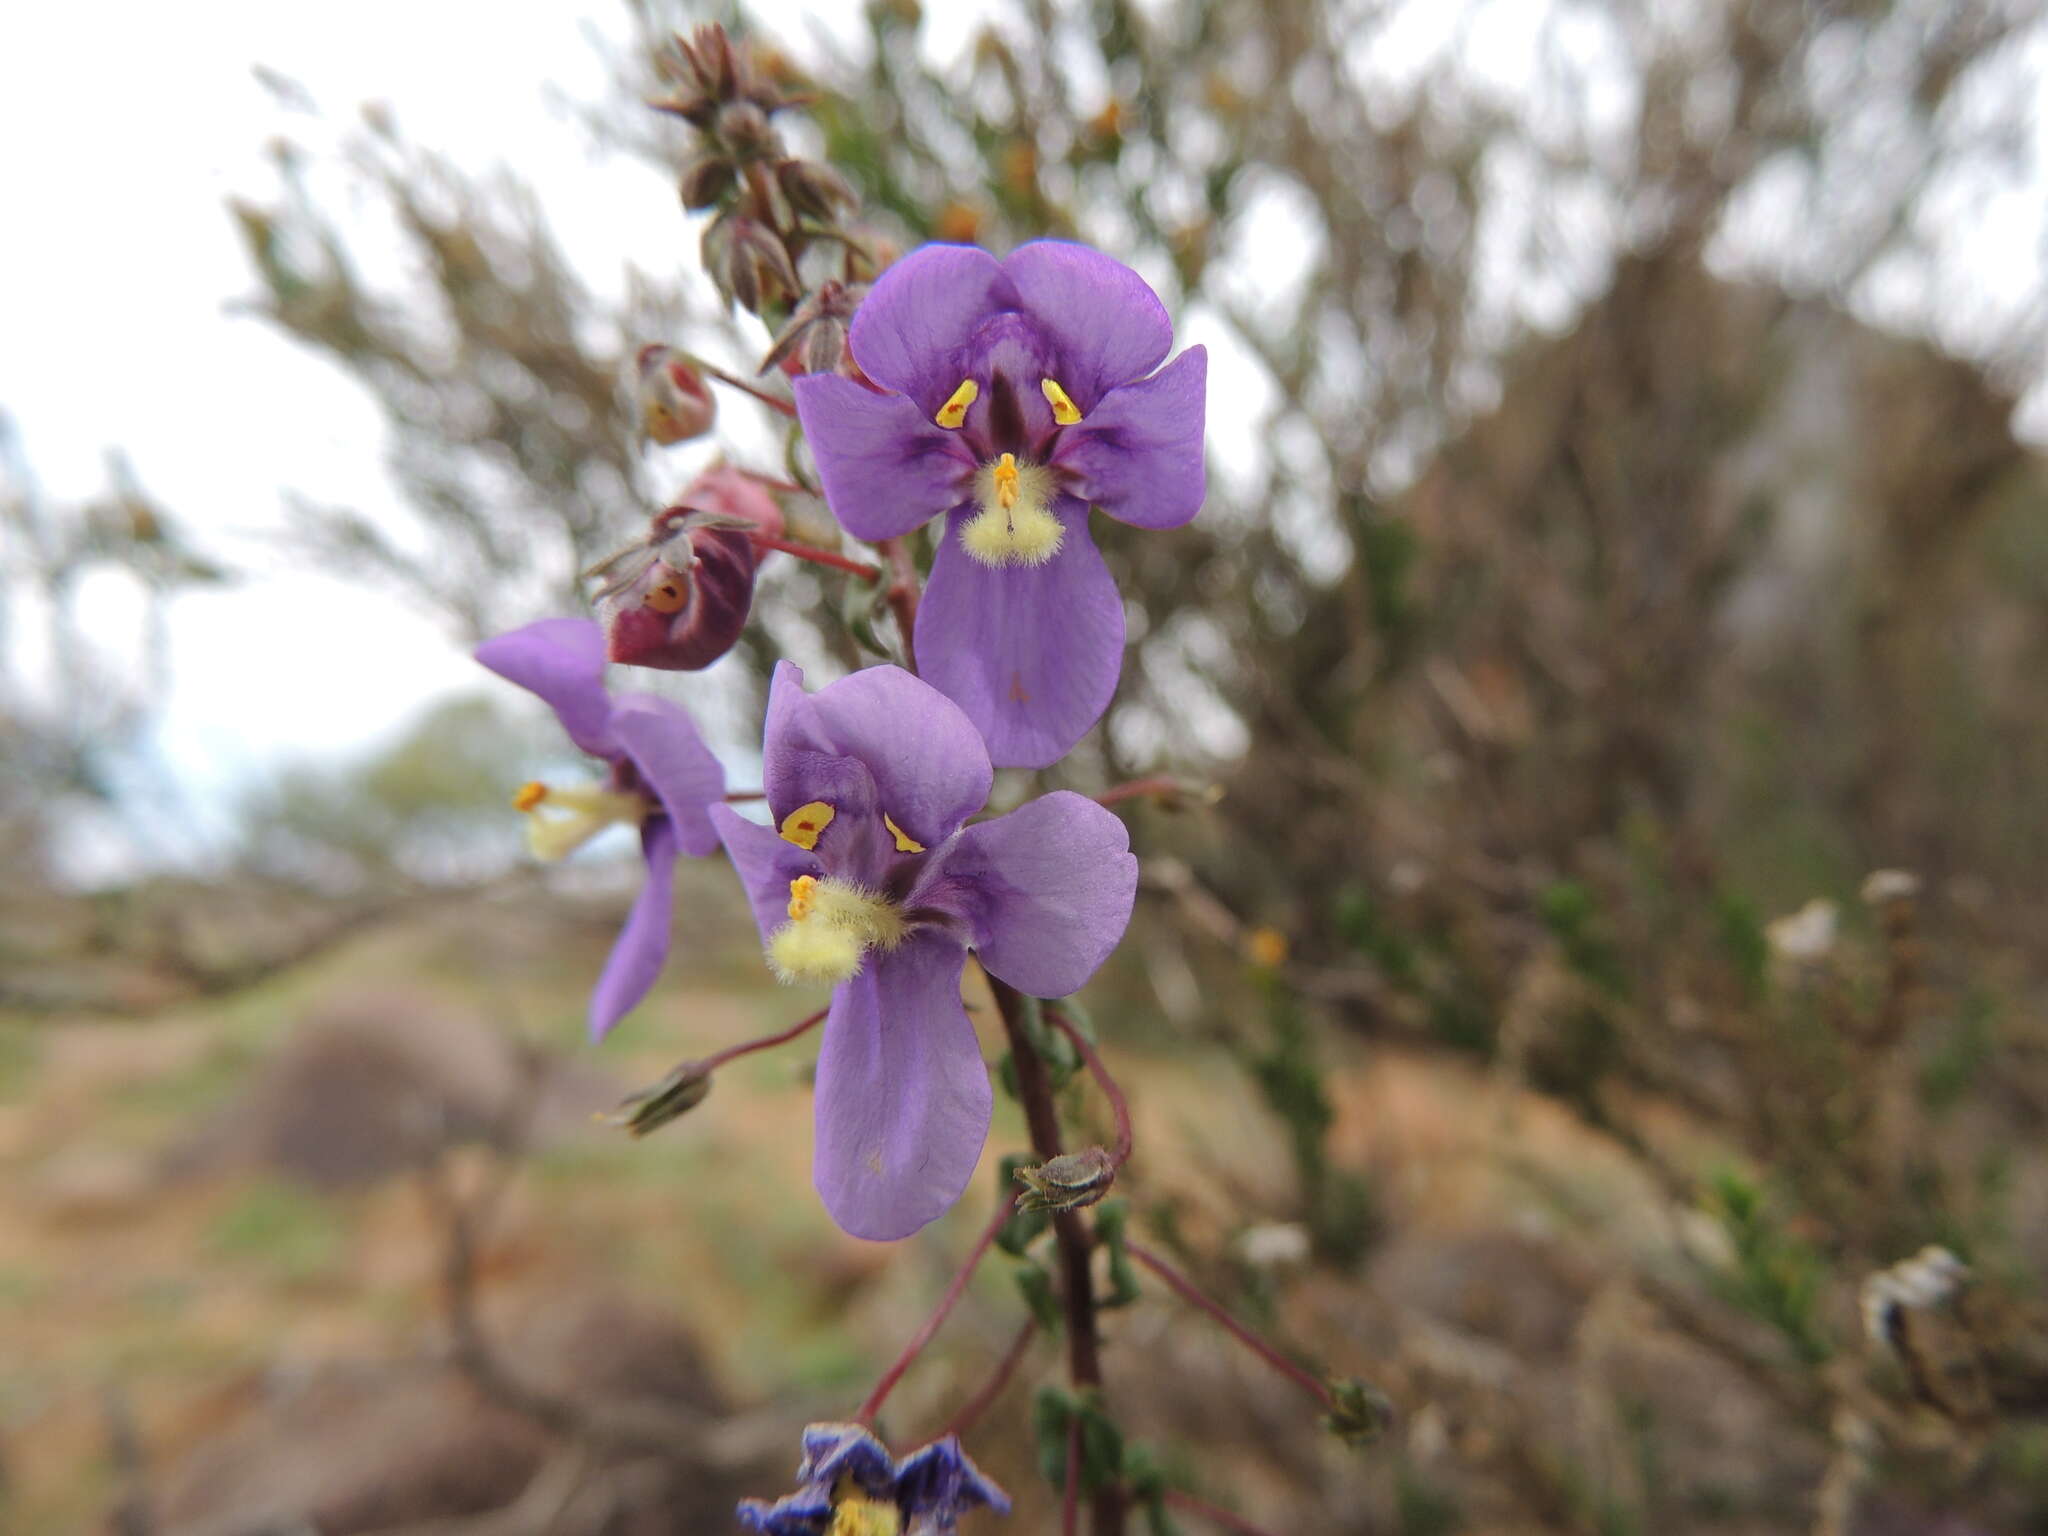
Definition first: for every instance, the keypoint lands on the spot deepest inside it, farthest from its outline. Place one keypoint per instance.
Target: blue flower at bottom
(851, 1486)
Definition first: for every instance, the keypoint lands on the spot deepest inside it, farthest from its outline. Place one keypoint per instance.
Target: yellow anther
(559, 821)
(858, 1516)
(802, 825)
(530, 794)
(1006, 481)
(954, 411)
(1064, 411)
(905, 843)
(1016, 524)
(803, 894)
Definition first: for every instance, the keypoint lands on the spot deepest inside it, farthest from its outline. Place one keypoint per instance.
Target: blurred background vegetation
(1617, 630)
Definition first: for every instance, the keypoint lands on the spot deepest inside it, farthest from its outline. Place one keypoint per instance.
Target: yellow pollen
(1064, 411)
(559, 821)
(1016, 525)
(802, 825)
(954, 411)
(905, 843)
(803, 895)
(831, 926)
(857, 1515)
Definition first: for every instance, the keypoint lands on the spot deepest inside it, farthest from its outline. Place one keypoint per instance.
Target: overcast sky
(127, 127)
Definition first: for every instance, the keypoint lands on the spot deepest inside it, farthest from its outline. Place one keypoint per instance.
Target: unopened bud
(670, 1099)
(814, 191)
(748, 263)
(1072, 1181)
(675, 403)
(814, 340)
(743, 128)
(1359, 1414)
(706, 181)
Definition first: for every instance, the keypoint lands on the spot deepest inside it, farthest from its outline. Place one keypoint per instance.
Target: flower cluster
(872, 881)
(1013, 395)
(849, 1485)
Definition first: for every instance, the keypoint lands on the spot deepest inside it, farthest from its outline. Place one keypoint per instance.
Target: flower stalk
(867, 1411)
(1189, 1292)
(1118, 1106)
(971, 1412)
(816, 556)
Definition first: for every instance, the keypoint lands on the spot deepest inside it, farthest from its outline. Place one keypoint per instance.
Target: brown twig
(925, 1334)
(1071, 1232)
(709, 370)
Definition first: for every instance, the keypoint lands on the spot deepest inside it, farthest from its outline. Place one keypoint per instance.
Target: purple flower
(661, 778)
(1014, 394)
(851, 1486)
(869, 880)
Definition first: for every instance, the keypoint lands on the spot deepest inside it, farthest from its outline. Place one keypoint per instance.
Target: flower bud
(675, 404)
(706, 181)
(744, 130)
(814, 191)
(1070, 1182)
(747, 261)
(814, 340)
(670, 1099)
(1359, 1413)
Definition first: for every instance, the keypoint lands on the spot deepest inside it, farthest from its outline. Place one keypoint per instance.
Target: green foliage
(1054, 1412)
(1568, 909)
(1776, 1276)
(1956, 1060)
(1420, 1507)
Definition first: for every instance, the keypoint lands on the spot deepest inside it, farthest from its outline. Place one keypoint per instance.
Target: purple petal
(928, 766)
(561, 661)
(885, 466)
(832, 1451)
(1108, 323)
(1030, 653)
(1046, 891)
(1139, 453)
(804, 1513)
(642, 946)
(939, 1478)
(910, 332)
(662, 741)
(765, 864)
(903, 1096)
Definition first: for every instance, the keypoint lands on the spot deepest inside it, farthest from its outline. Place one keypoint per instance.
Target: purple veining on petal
(683, 774)
(910, 333)
(884, 467)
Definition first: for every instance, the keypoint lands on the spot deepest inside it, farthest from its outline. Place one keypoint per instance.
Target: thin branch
(924, 1335)
(765, 1043)
(1190, 1293)
(1202, 1509)
(982, 1401)
(1121, 1152)
(817, 556)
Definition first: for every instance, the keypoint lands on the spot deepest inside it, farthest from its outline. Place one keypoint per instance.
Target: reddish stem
(982, 1401)
(762, 395)
(817, 556)
(903, 595)
(1180, 1283)
(1203, 1509)
(932, 1324)
(1162, 785)
(735, 796)
(765, 1043)
(1121, 1152)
